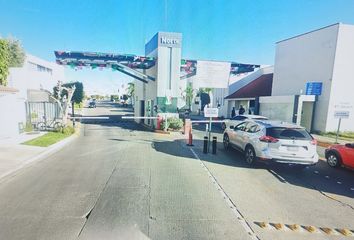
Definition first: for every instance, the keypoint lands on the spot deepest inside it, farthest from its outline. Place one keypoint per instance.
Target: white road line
(339, 182)
(327, 177)
(233, 207)
(352, 189)
(316, 172)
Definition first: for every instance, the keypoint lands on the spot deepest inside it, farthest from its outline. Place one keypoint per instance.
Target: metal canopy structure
(131, 64)
(125, 63)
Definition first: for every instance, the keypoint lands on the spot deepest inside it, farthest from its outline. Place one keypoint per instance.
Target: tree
(63, 95)
(131, 92)
(4, 61)
(189, 91)
(78, 95)
(16, 52)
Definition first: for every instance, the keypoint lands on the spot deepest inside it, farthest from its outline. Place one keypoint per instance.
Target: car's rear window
(288, 133)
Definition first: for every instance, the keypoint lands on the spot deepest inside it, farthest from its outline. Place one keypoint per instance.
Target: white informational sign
(341, 114)
(212, 74)
(211, 112)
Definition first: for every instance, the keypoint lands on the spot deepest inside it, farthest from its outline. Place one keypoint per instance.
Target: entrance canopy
(131, 64)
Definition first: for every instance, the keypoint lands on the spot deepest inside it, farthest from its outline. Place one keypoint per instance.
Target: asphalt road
(118, 180)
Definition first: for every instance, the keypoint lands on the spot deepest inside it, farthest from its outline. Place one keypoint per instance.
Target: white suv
(272, 141)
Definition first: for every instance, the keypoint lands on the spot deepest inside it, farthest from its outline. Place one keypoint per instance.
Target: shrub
(68, 130)
(174, 123)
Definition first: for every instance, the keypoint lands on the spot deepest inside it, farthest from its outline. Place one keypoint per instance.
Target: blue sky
(241, 31)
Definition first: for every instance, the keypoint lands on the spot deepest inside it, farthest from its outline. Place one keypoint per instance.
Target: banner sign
(212, 74)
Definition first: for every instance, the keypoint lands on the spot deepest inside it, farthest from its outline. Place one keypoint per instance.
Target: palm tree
(189, 95)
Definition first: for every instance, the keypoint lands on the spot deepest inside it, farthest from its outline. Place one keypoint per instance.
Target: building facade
(32, 82)
(323, 57)
(164, 91)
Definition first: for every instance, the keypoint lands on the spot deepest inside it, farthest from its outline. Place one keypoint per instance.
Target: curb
(51, 150)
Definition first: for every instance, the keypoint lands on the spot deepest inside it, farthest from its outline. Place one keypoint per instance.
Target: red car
(338, 155)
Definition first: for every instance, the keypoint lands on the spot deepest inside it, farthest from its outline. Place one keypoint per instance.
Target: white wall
(13, 112)
(307, 58)
(163, 62)
(277, 107)
(343, 80)
(29, 77)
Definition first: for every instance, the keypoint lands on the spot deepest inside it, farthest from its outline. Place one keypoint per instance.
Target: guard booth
(160, 97)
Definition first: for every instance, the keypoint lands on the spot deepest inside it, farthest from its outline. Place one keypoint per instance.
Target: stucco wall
(342, 92)
(307, 58)
(277, 107)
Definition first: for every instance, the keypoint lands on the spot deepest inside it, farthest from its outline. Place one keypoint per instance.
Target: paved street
(118, 180)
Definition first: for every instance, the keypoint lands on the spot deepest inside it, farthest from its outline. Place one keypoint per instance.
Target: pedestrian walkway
(15, 155)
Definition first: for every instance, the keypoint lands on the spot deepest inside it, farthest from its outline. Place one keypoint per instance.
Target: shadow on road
(307, 178)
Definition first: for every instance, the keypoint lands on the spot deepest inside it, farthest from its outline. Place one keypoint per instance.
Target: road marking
(307, 228)
(339, 182)
(352, 189)
(233, 207)
(316, 172)
(327, 177)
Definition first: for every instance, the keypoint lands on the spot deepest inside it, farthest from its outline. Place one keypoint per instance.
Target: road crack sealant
(88, 214)
(228, 200)
(333, 199)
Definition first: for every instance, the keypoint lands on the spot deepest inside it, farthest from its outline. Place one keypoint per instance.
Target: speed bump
(328, 231)
(309, 229)
(345, 232)
(294, 227)
(278, 226)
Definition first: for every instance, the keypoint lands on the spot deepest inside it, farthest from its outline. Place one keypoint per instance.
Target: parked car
(240, 118)
(272, 141)
(92, 104)
(340, 155)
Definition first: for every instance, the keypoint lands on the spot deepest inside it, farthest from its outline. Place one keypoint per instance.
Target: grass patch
(48, 139)
(341, 135)
(78, 106)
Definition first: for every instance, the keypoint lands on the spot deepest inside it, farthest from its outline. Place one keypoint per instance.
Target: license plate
(293, 149)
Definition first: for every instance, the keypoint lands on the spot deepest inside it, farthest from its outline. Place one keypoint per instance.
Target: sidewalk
(15, 155)
(324, 141)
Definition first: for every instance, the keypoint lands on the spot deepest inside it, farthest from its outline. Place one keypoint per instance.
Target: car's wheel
(333, 159)
(250, 155)
(226, 141)
(223, 126)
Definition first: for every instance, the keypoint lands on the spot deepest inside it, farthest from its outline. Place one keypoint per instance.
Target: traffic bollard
(214, 145)
(205, 147)
(190, 138)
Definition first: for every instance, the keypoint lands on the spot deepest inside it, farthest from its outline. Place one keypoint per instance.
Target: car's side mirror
(232, 127)
(349, 145)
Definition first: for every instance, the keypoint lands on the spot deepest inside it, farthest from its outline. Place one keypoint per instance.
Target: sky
(225, 30)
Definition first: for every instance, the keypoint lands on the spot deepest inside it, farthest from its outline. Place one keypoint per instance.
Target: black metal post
(214, 146)
(205, 146)
(73, 113)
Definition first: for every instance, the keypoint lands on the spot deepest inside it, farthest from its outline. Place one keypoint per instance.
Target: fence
(37, 112)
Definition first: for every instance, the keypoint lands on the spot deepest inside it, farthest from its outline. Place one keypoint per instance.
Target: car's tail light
(268, 139)
(313, 142)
